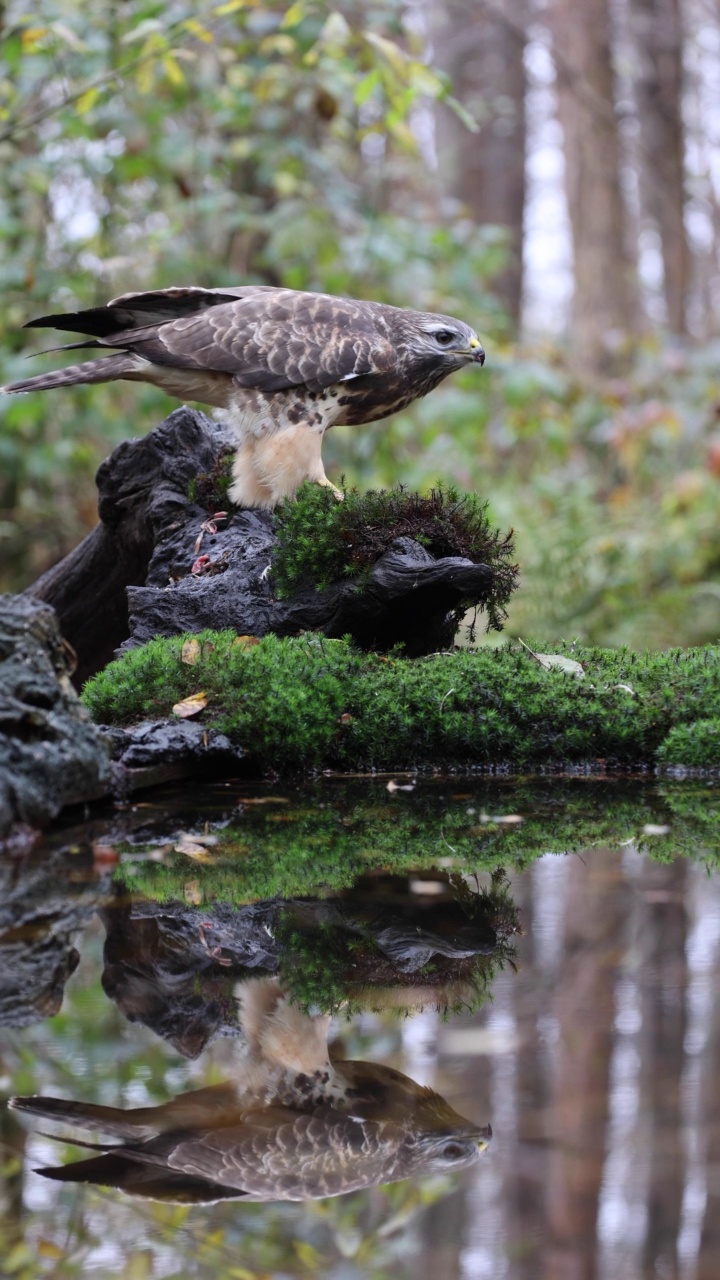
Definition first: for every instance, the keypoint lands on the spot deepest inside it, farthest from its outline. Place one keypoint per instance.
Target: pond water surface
(540, 958)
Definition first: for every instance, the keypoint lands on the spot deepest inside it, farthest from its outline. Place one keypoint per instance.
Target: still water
(443, 1028)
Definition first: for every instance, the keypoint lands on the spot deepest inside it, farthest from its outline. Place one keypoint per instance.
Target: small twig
(444, 700)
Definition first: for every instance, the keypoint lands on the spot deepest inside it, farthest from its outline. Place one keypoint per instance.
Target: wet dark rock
(166, 742)
(46, 900)
(51, 755)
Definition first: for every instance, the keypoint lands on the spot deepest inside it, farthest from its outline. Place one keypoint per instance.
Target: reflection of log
(150, 535)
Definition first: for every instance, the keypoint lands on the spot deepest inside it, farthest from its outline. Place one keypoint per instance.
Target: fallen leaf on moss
(191, 706)
(245, 642)
(191, 652)
(550, 660)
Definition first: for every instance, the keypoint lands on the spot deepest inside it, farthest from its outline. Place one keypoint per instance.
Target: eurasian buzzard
(293, 1125)
(286, 365)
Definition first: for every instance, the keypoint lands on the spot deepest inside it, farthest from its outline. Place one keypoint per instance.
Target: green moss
(209, 489)
(305, 703)
(334, 834)
(693, 746)
(321, 540)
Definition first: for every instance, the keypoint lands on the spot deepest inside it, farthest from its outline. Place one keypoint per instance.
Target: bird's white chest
(253, 414)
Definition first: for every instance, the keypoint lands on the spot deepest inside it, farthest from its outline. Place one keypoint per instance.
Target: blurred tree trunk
(663, 984)
(525, 1184)
(595, 915)
(482, 47)
(657, 29)
(707, 1266)
(602, 301)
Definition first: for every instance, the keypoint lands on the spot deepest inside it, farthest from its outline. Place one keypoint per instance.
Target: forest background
(548, 171)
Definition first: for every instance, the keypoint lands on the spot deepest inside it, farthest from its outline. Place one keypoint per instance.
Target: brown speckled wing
(273, 340)
(292, 1158)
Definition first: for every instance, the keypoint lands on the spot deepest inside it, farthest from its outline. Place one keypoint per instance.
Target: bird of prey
(286, 365)
(293, 1125)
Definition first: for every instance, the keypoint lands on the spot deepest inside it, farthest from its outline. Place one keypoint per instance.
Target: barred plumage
(286, 365)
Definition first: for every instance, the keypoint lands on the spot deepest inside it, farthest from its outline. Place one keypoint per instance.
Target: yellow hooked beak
(475, 351)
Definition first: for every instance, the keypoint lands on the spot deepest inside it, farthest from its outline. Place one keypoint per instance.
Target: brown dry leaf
(191, 652)
(245, 642)
(196, 846)
(265, 800)
(550, 660)
(191, 706)
(197, 852)
(104, 855)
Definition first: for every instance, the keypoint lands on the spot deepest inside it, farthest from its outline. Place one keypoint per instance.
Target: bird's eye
(444, 337)
(453, 1151)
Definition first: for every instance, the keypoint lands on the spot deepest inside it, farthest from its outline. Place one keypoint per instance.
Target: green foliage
(321, 540)
(144, 145)
(302, 703)
(694, 746)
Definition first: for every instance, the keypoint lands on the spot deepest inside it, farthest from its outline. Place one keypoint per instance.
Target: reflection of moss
(327, 967)
(333, 836)
(321, 540)
(308, 702)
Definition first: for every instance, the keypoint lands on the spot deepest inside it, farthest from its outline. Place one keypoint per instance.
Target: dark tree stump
(131, 578)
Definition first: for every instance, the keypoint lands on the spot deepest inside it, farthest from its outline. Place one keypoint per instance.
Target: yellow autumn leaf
(191, 652)
(87, 101)
(191, 706)
(197, 29)
(31, 37)
(173, 70)
(232, 6)
(245, 642)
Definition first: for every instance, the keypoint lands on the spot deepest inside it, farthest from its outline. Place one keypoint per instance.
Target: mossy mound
(306, 703)
(692, 746)
(321, 540)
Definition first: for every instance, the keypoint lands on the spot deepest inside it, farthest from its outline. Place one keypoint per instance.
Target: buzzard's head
(447, 1152)
(443, 341)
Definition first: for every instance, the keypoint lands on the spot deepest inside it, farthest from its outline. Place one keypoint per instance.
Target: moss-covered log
(307, 703)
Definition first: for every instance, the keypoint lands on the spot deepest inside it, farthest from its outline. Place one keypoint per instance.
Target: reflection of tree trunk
(708, 1263)
(658, 89)
(13, 1138)
(483, 52)
(577, 1117)
(443, 1227)
(663, 986)
(526, 1180)
(586, 107)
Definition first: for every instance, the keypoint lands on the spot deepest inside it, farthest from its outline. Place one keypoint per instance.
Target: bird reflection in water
(294, 1125)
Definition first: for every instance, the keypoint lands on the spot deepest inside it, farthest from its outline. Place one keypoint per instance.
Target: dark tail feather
(122, 1172)
(86, 1115)
(106, 369)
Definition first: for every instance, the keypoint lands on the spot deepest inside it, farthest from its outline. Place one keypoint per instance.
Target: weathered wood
(142, 493)
(132, 578)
